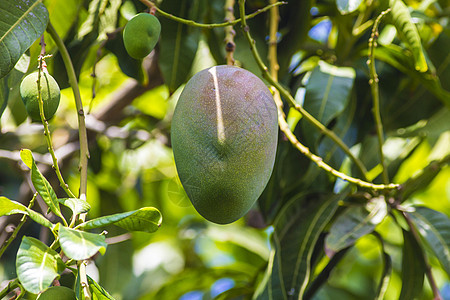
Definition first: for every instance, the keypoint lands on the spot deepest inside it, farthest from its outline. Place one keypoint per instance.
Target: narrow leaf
(80, 245)
(147, 219)
(37, 265)
(435, 229)
(41, 184)
(408, 32)
(354, 223)
(23, 22)
(77, 206)
(179, 42)
(9, 207)
(97, 291)
(296, 232)
(413, 268)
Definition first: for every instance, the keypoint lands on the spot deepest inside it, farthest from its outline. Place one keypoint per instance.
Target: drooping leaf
(4, 93)
(408, 32)
(80, 245)
(98, 292)
(147, 219)
(385, 275)
(9, 207)
(401, 60)
(327, 95)
(37, 265)
(23, 22)
(41, 184)
(413, 268)
(347, 6)
(354, 223)
(296, 231)
(434, 227)
(179, 42)
(77, 206)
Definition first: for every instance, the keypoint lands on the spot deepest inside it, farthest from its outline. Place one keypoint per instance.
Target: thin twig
(230, 46)
(428, 273)
(285, 93)
(47, 134)
(376, 95)
(292, 138)
(9, 287)
(151, 5)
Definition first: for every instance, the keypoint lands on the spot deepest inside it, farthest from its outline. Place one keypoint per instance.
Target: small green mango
(224, 138)
(57, 293)
(50, 94)
(141, 35)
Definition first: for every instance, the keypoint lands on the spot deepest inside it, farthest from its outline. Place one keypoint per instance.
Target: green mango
(224, 137)
(141, 34)
(50, 94)
(57, 293)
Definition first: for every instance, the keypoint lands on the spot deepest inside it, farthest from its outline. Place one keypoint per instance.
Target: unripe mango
(57, 292)
(224, 139)
(141, 35)
(50, 94)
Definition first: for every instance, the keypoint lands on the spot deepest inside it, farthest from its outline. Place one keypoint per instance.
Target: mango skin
(224, 138)
(50, 94)
(141, 34)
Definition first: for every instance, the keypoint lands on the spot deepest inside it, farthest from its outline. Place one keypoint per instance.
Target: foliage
(358, 203)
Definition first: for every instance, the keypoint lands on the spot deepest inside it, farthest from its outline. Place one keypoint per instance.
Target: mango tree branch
(84, 150)
(230, 46)
(285, 128)
(376, 95)
(151, 5)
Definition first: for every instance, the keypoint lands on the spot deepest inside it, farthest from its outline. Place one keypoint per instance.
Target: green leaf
(327, 95)
(408, 32)
(37, 265)
(147, 219)
(23, 22)
(178, 42)
(41, 184)
(97, 291)
(4, 94)
(347, 6)
(9, 207)
(354, 223)
(77, 206)
(413, 268)
(80, 245)
(434, 227)
(297, 229)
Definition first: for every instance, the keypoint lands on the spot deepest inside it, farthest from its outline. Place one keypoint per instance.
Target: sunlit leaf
(80, 245)
(413, 268)
(41, 184)
(37, 265)
(347, 6)
(354, 223)
(23, 22)
(77, 206)
(147, 219)
(408, 32)
(434, 227)
(9, 207)
(297, 229)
